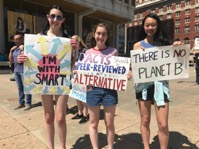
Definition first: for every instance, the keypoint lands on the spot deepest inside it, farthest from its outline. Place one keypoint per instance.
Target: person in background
(82, 107)
(55, 27)
(195, 53)
(20, 26)
(152, 34)
(18, 72)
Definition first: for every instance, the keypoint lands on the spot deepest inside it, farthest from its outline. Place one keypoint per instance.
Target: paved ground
(26, 129)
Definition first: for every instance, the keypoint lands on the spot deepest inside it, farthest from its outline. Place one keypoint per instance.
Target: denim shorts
(96, 96)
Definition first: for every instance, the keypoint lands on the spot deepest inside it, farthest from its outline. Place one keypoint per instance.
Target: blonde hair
(79, 39)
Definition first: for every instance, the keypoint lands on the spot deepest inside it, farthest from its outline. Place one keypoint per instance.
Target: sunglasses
(53, 16)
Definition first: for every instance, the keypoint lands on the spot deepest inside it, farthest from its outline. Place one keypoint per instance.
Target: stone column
(2, 41)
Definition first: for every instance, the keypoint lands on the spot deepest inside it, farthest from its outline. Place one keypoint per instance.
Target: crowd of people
(151, 35)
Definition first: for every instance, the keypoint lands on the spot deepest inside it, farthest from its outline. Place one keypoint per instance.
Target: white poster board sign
(78, 91)
(47, 70)
(196, 44)
(103, 71)
(160, 63)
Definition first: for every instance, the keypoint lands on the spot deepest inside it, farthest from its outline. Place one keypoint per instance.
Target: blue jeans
(19, 78)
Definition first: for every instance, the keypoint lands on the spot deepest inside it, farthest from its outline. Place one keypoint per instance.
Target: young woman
(82, 107)
(20, 26)
(55, 27)
(151, 35)
(101, 96)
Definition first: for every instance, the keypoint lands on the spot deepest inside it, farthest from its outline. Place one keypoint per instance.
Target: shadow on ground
(38, 104)
(127, 141)
(134, 141)
(176, 141)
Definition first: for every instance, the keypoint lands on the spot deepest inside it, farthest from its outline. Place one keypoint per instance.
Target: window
(187, 20)
(187, 11)
(196, 28)
(186, 40)
(196, 18)
(169, 7)
(132, 2)
(177, 39)
(177, 22)
(168, 15)
(187, 29)
(177, 13)
(187, 3)
(177, 30)
(197, 9)
(126, 1)
(178, 5)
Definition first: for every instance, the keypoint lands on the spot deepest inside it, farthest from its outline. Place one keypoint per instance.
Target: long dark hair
(107, 27)
(160, 38)
(18, 24)
(47, 26)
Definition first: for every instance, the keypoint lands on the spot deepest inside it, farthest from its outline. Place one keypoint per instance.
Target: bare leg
(47, 102)
(79, 107)
(109, 114)
(145, 113)
(162, 114)
(60, 112)
(85, 109)
(93, 125)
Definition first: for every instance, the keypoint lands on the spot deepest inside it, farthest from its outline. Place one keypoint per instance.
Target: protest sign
(160, 63)
(78, 91)
(47, 70)
(103, 71)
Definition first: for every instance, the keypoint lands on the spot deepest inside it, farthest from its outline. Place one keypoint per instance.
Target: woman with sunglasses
(55, 27)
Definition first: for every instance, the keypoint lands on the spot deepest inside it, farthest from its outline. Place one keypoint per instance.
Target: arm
(24, 28)
(10, 57)
(16, 27)
(22, 58)
(137, 46)
(75, 49)
(21, 47)
(73, 58)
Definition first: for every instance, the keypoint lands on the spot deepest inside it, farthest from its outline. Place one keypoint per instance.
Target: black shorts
(150, 95)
